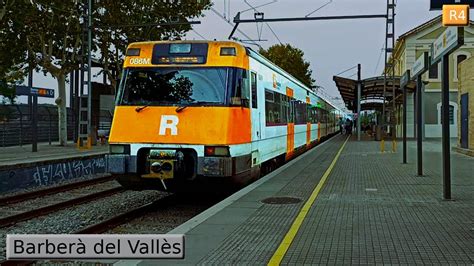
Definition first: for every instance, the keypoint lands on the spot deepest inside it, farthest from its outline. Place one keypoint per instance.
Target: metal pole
(76, 104)
(415, 114)
(89, 73)
(71, 90)
(445, 128)
(394, 122)
(30, 106)
(359, 96)
(266, 20)
(419, 125)
(34, 128)
(404, 124)
(50, 126)
(34, 112)
(385, 74)
(71, 102)
(393, 115)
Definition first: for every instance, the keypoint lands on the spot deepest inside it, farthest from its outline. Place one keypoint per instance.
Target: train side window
(284, 108)
(253, 85)
(273, 104)
(291, 110)
(300, 112)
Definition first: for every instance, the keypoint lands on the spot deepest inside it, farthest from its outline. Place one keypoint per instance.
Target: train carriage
(209, 110)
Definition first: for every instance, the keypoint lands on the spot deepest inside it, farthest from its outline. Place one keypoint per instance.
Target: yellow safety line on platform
(285, 244)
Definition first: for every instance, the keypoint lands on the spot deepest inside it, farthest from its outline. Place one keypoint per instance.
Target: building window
(433, 72)
(451, 114)
(460, 58)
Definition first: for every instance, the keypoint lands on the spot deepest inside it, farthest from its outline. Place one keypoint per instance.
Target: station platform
(21, 169)
(346, 203)
(15, 155)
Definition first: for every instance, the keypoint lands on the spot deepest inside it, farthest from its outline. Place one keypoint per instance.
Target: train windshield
(182, 86)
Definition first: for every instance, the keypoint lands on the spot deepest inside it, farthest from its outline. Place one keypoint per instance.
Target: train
(190, 112)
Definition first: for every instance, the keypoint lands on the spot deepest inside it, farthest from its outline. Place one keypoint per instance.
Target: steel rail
(52, 190)
(108, 224)
(13, 219)
(127, 216)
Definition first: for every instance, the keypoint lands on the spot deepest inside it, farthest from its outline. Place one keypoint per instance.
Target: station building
(409, 47)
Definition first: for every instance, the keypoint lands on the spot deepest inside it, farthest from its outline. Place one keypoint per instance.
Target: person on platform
(341, 125)
(348, 126)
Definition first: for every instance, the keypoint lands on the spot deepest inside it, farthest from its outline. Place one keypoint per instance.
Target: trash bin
(378, 133)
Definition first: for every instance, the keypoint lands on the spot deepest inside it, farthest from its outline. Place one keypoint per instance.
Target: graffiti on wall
(54, 173)
(50, 174)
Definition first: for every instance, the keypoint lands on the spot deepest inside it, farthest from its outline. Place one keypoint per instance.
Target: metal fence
(15, 124)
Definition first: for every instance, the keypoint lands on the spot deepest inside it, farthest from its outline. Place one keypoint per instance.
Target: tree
(290, 59)
(50, 31)
(12, 51)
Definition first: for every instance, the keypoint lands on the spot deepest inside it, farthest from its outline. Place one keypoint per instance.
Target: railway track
(63, 196)
(111, 223)
(52, 190)
(125, 217)
(22, 216)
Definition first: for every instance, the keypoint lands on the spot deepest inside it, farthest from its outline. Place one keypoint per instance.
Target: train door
(290, 135)
(256, 117)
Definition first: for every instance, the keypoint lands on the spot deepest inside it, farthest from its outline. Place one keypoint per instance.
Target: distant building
(411, 46)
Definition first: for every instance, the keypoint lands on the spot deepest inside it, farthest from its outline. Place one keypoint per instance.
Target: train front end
(182, 114)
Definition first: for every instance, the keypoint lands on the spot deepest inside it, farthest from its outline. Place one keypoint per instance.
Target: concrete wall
(466, 85)
(37, 175)
(431, 115)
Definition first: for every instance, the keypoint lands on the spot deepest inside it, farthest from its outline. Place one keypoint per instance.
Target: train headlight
(167, 167)
(119, 149)
(156, 167)
(218, 151)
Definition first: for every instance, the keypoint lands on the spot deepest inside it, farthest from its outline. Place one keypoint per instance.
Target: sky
(331, 47)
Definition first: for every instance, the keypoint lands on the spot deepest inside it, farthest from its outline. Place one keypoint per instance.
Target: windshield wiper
(138, 109)
(181, 108)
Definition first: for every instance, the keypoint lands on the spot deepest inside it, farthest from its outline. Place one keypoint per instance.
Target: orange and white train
(209, 110)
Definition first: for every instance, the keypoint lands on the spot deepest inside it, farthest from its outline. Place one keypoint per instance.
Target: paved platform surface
(371, 210)
(22, 154)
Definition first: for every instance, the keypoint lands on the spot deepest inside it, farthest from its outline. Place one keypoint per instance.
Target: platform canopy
(372, 91)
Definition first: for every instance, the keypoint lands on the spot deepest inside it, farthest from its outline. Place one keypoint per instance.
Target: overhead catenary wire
(346, 70)
(232, 24)
(253, 8)
(225, 10)
(199, 34)
(276, 36)
(228, 7)
(319, 8)
(380, 57)
(266, 23)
